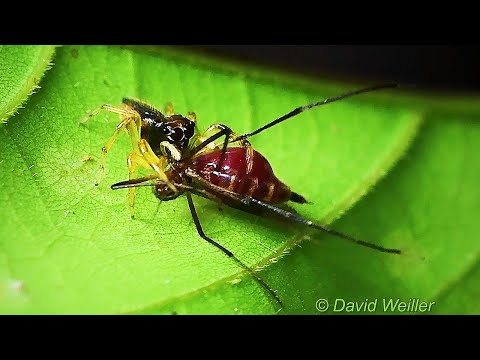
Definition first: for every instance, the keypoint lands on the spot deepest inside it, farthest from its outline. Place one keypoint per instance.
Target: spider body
(157, 128)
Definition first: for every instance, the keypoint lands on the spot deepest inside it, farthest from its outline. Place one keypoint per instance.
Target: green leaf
(428, 206)
(69, 247)
(21, 69)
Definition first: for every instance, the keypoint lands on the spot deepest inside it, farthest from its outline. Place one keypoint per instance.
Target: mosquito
(187, 163)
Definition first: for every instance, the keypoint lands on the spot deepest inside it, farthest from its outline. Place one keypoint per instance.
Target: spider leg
(169, 109)
(228, 252)
(192, 116)
(143, 157)
(134, 161)
(130, 120)
(142, 154)
(156, 163)
(106, 107)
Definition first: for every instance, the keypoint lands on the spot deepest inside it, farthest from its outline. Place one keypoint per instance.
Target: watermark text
(393, 305)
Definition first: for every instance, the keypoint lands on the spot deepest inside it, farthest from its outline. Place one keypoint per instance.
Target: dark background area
(433, 67)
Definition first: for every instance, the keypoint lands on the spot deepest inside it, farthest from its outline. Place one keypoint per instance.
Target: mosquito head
(164, 193)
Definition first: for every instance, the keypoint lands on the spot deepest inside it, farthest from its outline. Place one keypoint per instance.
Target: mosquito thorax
(164, 193)
(175, 174)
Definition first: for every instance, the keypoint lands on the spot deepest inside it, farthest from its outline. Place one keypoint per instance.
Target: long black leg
(298, 219)
(252, 203)
(228, 132)
(225, 131)
(310, 106)
(228, 252)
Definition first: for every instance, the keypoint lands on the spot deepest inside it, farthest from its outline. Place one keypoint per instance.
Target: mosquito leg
(224, 131)
(301, 109)
(248, 155)
(229, 137)
(299, 219)
(210, 140)
(243, 142)
(228, 252)
(252, 204)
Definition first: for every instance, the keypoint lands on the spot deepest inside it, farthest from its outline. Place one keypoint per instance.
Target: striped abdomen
(260, 183)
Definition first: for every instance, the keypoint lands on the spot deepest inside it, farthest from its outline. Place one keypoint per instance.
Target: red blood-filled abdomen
(260, 183)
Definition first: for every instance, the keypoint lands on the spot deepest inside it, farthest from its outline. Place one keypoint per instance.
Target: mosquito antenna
(310, 106)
